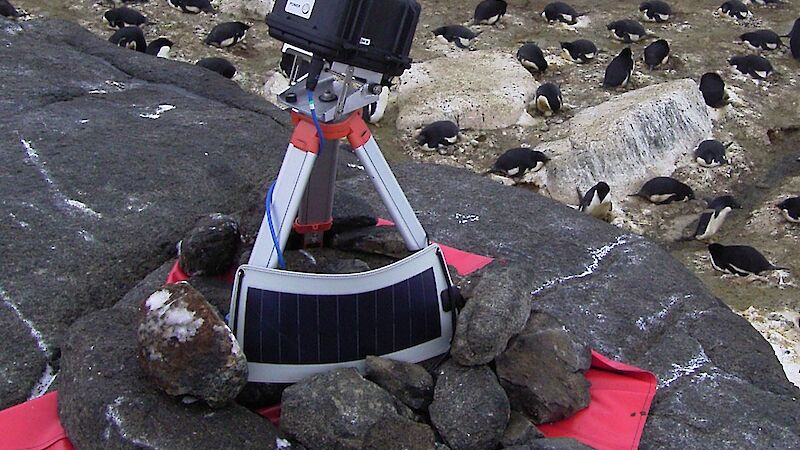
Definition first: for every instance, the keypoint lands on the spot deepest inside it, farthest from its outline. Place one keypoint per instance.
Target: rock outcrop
(409, 383)
(626, 140)
(247, 9)
(211, 247)
(479, 90)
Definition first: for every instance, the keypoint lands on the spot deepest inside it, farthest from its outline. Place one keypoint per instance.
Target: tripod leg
(392, 195)
(287, 194)
(315, 215)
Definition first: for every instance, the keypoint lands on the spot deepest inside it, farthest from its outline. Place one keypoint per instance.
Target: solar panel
(291, 324)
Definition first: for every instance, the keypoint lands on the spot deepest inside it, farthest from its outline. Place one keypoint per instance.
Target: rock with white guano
(627, 140)
(186, 348)
(480, 90)
(249, 9)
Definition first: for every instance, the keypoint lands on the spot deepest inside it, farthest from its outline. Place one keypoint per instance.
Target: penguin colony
(709, 154)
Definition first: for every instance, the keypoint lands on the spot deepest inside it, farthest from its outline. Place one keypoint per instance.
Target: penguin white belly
(543, 105)
(762, 73)
(663, 17)
(664, 61)
(193, 9)
(464, 41)
(512, 172)
(163, 52)
(451, 139)
(567, 18)
(493, 20)
(566, 55)
(772, 45)
(660, 198)
(788, 217)
(228, 42)
(538, 166)
(714, 224)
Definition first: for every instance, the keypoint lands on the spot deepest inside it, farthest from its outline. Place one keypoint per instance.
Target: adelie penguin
(560, 12)
(713, 89)
(790, 208)
(618, 72)
(656, 54)
(227, 34)
(754, 65)
(192, 6)
(794, 40)
(220, 65)
(489, 12)
(580, 51)
(597, 201)
(656, 11)
(548, 99)
(741, 260)
(626, 30)
(762, 39)
(714, 216)
(438, 134)
(735, 9)
(514, 163)
(124, 17)
(8, 10)
(457, 34)
(129, 37)
(710, 153)
(160, 47)
(532, 57)
(664, 190)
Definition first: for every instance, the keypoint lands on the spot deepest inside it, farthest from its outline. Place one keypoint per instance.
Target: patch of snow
(466, 218)
(597, 257)
(181, 323)
(157, 299)
(689, 368)
(782, 330)
(281, 444)
(160, 110)
(47, 379)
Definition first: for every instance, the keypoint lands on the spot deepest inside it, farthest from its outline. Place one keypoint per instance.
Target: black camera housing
(374, 35)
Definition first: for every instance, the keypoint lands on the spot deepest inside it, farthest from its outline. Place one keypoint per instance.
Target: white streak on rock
(645, 322)
(44, 382)
(34, 332)
(114, 420)
(679, 371)
(597, 257)
(34, 158)
(160, 110)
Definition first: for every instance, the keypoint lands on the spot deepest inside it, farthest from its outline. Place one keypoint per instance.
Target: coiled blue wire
(281, 261)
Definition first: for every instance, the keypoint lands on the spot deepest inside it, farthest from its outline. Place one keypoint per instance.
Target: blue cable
(316, 121)
(281, 261)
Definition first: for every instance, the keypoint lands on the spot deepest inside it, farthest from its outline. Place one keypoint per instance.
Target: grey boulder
(210, 248)
(409, 383)
(399, 433)
(520, 431)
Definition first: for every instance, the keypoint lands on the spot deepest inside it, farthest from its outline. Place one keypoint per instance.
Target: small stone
(410, 383)
(398, 433)
(381, 241)
(186, 348)
(520, 431)
(210, 247)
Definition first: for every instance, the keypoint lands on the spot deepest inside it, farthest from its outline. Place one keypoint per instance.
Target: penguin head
(715, 248)
(626, 53)
(602, 189)
(644, 6)
(795, 29)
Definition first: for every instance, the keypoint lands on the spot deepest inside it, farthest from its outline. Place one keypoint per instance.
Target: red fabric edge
(33, 425)
(176, 274)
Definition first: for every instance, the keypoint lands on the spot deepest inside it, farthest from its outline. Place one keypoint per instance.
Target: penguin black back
(618, 72)
(227, 34)
(489, 11)
(794, 40)
(130, 37)
(123, 17)
(597, 201)
(663, 190)
(656, 53)
(548, 98)
(741, 260)
(581, 51)
(656, 11)
(790, 208)
(516, 161)
(735, 9)
(713, 89)
(710, 153)
(532, 57)
(193, 6)
(437, 134)
(220, 65)
(754, 65)
(560, 12)
(8, 10)
(762, 39)
(159, 47)
(457, 34)
(626, 30)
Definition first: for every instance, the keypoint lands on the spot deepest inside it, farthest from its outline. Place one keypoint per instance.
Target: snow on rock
(625, 141)
(186, 348)
(481, 90)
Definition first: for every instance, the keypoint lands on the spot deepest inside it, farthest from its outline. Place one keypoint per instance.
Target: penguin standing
(714, 216)
(656, 53)
(560, 12)
(762, 39)
(124, 17)
(790, 208)
(664, 190)
(8, 10)
(794, 40)
(489, 12)
(220, 65)
(374, 112)
(735, 9)
(514, 163)
(159, 47)
(710, 153)
(626, 30)
(227, 34)
(754, 65)
(548, 99)
(618, 72)
(438, 134)
(741, 260)
(656, 11)
(597, 201)
(532, 57)
(457, 34)
(713, 89)
(580, 51)
(130, 37)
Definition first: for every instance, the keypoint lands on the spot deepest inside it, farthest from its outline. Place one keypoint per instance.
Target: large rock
(542, 371)
(520, 431)
(211, 247)
(479, 90)
(625, 297)
(336, 409)
(249, 9)
(187, 349)
(626, 140)
(552, 444)
(106, 401)
(399, 433)
(469, 410)
(410, 383)
(97, 199)
(497, 309)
